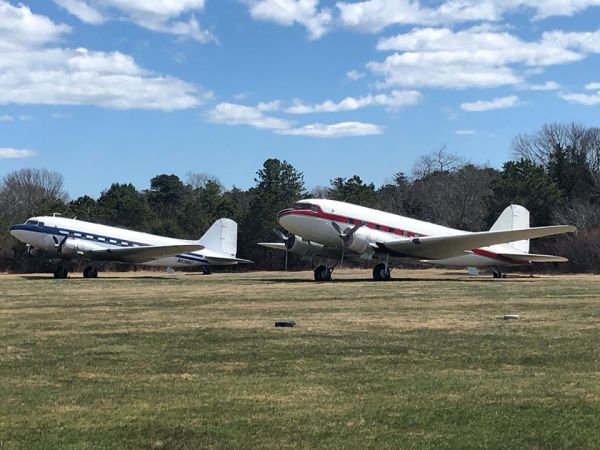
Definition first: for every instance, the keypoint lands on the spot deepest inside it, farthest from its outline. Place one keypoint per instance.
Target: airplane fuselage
(314, 223)
(43, 233)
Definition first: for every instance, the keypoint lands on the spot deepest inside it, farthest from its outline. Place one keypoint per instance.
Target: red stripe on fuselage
(386, 229)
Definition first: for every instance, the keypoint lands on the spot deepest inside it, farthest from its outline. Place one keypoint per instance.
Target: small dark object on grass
(511, 317)
(285, 323)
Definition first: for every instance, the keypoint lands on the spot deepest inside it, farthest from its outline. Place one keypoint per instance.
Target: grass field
(190, 361)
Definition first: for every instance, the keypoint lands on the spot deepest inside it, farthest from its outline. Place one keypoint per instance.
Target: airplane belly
(467, 261)
(172, 261)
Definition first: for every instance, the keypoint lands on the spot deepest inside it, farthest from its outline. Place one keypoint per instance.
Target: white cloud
(6, 118)
(32, 71)
(582, 99)
(476, 57)
(13, 153)
(156, 15)
(19, 27)
(82, 11)
(393, 101)
(355, 75)
(288, 12)
(374, 15)
(465, 132)
(547, 86)
(496, 103)
(234, 114)
(593, 86)
(342, 129)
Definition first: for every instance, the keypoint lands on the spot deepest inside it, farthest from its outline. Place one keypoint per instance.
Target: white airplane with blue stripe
(69, 239)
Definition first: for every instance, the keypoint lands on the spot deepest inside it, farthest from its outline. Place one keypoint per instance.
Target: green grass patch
(188, 361)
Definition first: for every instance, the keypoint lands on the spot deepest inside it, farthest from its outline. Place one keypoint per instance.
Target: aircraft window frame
(89, 236)
(125, 243)
(40, 224)
(112, 241)
(31, 222)
(77, 234)
(101, 239)
(63, 232)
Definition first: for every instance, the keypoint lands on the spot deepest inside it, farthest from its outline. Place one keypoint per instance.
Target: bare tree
(540, 147)
(437, 161)
(29, 191)
(200, 180)
(320, 192)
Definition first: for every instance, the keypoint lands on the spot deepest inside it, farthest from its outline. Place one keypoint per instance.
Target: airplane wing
(273, 245)
(142, 254)
(439, 247)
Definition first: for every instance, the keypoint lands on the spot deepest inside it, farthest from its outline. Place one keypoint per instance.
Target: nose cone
(283, 217)
(16, 231)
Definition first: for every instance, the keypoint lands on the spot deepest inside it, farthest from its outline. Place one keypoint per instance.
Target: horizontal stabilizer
(142, 254)
(531, 257)
(439, 247)
(273, 245)
(226, 260)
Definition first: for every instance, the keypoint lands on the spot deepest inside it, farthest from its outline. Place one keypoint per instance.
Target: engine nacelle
(359, 242)
(297, 246)
(72, 247)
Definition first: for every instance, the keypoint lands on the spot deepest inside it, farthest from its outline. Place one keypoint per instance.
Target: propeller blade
(355, 229)
(337, 228)
(280, 235)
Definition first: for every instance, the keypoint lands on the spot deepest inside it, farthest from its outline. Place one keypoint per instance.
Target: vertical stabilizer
(514, 217)
(221, 237)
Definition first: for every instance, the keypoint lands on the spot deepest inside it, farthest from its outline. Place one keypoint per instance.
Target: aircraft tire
(381, 272)
(61, 273)
(322, 273)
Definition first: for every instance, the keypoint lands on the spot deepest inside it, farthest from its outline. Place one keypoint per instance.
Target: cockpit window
(307, 206)
(40, 224)
(32, 222)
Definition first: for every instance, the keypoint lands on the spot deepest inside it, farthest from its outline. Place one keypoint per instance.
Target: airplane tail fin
(514, 217)
(221, 237)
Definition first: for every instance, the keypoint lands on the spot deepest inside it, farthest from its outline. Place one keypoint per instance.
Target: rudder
(514, 217)
(221, 237)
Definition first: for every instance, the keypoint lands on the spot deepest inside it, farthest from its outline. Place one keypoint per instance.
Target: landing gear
(497, 274)
(90, 272)
(323, 273)
(206, 270)
(382, 272)
(61, 272)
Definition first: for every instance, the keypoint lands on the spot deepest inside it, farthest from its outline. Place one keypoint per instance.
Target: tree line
(555, 173)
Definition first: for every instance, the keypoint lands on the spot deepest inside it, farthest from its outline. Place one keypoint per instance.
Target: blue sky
(109, 91)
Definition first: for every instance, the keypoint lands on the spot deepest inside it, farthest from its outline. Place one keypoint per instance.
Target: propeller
(288, 241)
(59, 245)
(345, 236)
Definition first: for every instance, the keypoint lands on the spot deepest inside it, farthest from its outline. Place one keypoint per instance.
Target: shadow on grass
(100, 277)
(520, 279)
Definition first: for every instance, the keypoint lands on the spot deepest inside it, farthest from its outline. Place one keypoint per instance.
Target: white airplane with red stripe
(329, 230)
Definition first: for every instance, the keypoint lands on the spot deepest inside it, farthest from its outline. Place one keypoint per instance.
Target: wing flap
(142, 254)
(439, 247)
